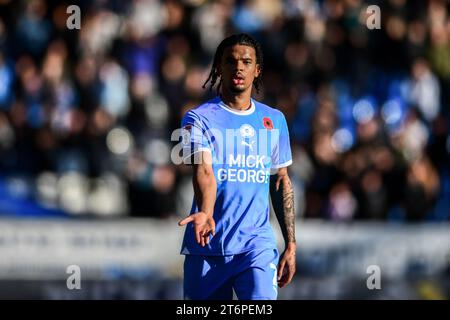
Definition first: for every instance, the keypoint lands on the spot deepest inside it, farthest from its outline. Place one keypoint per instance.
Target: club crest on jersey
(247, 131)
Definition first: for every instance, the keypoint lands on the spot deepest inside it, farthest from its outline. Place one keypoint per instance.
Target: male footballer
(239, 150)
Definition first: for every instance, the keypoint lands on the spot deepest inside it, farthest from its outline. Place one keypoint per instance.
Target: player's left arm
(282, 195)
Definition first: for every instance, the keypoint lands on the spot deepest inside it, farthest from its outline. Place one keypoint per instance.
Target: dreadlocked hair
(241, 39)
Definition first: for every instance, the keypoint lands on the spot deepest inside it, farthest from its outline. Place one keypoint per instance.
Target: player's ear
(257, 70)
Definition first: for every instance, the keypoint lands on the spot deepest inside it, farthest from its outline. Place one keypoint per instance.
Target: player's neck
(240, 102)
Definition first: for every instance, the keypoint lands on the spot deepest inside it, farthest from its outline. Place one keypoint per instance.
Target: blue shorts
(252, 275)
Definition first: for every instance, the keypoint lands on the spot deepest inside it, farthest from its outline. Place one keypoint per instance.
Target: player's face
(238, 68)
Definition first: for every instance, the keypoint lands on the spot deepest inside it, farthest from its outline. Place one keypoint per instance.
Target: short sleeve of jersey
(194, 136)
(281, 154)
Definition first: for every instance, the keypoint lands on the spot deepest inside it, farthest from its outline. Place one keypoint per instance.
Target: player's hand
(286, 267)
(204, 226)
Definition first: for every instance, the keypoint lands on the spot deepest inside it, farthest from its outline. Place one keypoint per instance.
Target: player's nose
(238, 66)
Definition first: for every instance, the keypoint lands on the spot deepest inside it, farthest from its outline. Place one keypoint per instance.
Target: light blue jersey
(246, 146)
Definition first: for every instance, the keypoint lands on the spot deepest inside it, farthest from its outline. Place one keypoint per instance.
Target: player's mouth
(238, 80)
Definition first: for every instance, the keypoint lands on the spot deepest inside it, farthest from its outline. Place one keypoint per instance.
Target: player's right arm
(205, 195)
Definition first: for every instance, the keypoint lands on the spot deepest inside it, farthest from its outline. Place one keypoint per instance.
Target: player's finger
(207, 238)
(284, 279)
(281, 268)
(202, 240)
(282, 283)
(197, 236)
(290, 276)
(185, 221)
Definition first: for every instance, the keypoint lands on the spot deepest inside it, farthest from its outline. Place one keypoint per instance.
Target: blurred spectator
(425, 91)
(421, 190)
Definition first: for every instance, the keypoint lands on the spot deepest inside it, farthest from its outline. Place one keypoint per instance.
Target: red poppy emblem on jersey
(268, 123)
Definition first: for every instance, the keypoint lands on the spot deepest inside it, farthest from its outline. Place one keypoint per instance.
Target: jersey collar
(237, 112)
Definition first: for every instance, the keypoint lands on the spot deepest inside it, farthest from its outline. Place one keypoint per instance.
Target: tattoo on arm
(283, 205)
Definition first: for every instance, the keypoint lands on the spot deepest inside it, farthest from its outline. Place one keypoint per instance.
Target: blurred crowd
(86, 115)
